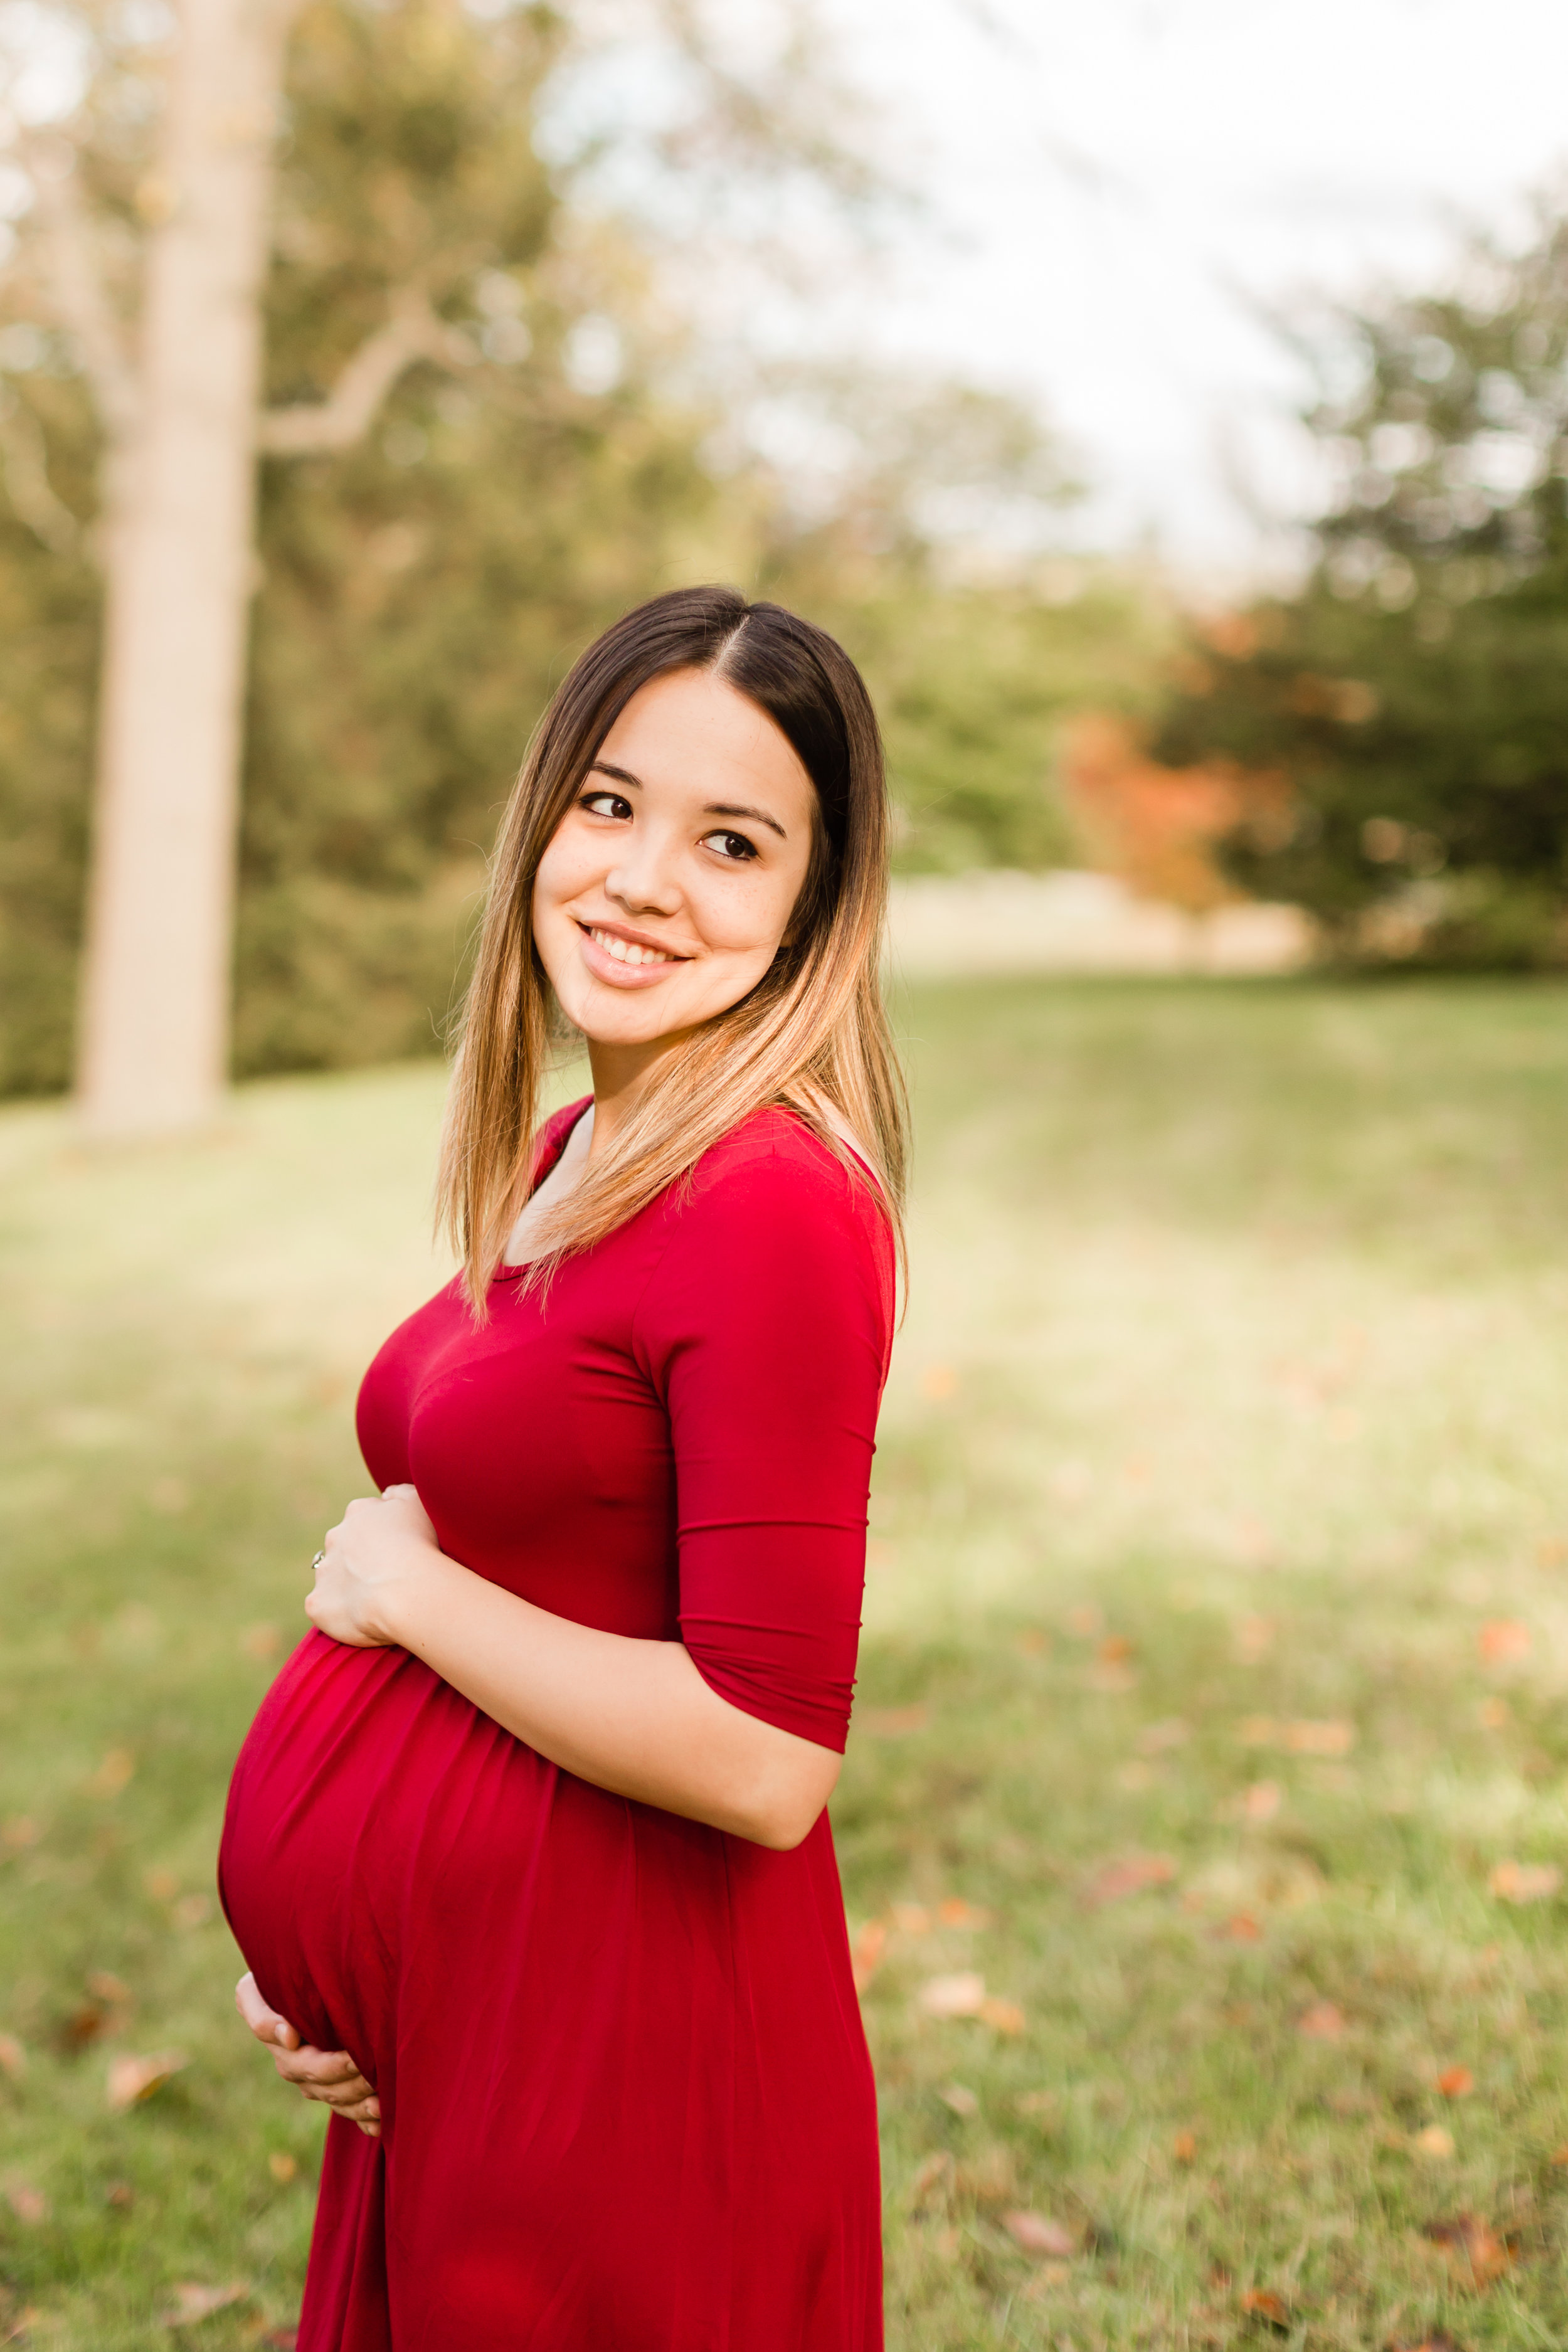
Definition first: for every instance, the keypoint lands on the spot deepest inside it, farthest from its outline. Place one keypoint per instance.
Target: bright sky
(1123, 176)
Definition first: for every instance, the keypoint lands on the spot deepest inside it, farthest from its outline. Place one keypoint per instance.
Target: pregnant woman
(527, 1849)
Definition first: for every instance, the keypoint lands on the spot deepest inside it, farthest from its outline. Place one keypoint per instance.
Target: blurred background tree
(437, 539)
(1415, 692)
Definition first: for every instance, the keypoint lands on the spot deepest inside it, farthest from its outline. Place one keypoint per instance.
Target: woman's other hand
(381, 1545)
(330, 2075)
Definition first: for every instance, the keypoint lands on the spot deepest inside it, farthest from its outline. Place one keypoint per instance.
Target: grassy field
(1202, 1818)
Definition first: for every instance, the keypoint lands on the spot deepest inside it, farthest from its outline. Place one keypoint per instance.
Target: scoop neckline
(509, 1267)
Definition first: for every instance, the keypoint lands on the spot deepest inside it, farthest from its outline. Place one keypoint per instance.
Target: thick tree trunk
(178, 552)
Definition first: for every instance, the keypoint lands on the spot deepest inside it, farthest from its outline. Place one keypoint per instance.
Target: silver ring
(316, 1563)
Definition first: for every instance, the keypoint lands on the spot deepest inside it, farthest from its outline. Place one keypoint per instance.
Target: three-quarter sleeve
(765, 1328)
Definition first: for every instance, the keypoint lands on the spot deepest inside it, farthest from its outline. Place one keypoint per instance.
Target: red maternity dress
(626, 2100)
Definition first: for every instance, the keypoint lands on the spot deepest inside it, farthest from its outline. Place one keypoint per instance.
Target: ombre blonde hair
(812, 1037)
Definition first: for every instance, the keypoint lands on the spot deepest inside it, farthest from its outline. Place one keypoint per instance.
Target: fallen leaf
(27, 2203)
(947, 2244)
(1002, 2016)
(865, 1952)
(1336, 1738)
(1114, 1677)
(1434, 2142)
(1492, 1714)
(115, 1773)
(282, 2166)
(1038, 2234)
(1436, 2339)
(1114, 1881)
(1258, 1731)
(1262, 1800)
(1474, 2248)
(162, 1885)
(1184, 2146)
(1155, 1738)
(1037, 2103)
(1048, 2275)
(83, 2025)
(1085, 1621)
(938, 1381)
(963, 1995)
(13, 2057)
(261, 1641)
(910, 1918)
(954, 1912)
(20, 1831)
(1262, 2303)
(1525, 1882)
(894, 1722)
(1455, 2081)
(121, 2194)
(1241, 1928)
(192, 1911)
(959, 2098)
(1559, 2156)
(1322, 2020)
(132, 2080)
(1033, 1642)
(192, 2302)
(936, 2172)
(1254, 1639)
(1114, 1650)
(1502, 1641)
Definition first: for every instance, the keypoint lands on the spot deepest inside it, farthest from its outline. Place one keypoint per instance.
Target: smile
(627, 952)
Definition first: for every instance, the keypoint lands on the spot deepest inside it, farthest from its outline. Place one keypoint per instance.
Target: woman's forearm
(633, 1717)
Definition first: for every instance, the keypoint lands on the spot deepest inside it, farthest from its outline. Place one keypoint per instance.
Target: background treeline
(422, 591)
(1414, 690)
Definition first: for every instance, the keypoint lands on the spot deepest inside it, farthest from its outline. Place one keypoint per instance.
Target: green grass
(1233, 1386)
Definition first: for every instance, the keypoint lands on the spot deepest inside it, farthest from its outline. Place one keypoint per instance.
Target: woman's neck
(622, 1074)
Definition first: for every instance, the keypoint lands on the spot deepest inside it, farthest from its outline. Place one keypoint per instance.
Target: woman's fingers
(330, 2075)
(263, 2021)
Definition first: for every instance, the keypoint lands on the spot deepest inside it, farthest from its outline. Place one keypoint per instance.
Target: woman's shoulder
(774, 1151)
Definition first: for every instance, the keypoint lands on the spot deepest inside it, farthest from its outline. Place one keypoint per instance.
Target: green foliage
(421, 592)
(971, 685)
(1414, 690)
(1244, 1301)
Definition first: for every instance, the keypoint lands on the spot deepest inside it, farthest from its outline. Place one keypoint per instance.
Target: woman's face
(669, 883)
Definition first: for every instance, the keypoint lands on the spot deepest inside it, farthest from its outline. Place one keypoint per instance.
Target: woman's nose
(643, 877)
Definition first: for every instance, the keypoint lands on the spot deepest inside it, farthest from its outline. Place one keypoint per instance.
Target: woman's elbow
(786, 1815)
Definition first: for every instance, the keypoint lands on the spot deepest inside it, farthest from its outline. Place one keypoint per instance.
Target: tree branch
(75, 283)
(24, 467)
(412, 333)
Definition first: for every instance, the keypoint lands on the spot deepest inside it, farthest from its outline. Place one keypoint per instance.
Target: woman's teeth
(627, 950)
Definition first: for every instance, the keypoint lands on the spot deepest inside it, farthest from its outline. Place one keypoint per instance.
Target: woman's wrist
(411, 1601)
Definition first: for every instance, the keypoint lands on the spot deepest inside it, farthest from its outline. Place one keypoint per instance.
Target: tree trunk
(178, 556)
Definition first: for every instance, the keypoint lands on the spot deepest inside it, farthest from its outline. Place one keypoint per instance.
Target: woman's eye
(731, 844)
(606, 804)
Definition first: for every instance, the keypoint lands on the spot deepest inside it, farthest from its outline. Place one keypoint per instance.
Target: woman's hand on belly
(330, 2075)
(381, 1546)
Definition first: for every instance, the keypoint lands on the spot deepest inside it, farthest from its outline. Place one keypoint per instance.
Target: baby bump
(352, 1803)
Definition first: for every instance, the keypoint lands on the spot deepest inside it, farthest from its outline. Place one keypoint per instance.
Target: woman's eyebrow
(757, 815)
(621, 775)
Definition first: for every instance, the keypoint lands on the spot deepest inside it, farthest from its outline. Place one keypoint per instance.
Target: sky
(1123, 184)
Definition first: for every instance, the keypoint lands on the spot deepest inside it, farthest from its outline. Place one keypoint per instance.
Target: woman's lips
(623, 963)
